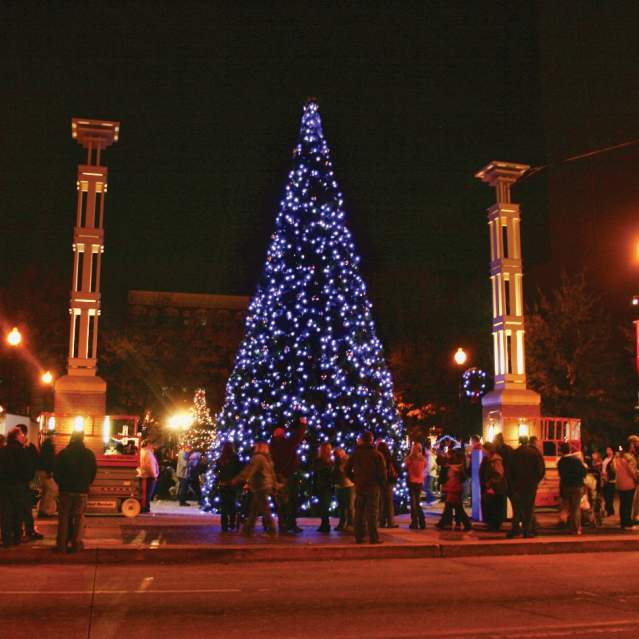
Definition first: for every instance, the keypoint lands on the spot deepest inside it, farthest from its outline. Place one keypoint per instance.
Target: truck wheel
(130, 507)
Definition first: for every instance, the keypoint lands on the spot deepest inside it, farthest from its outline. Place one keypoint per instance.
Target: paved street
(554, 596)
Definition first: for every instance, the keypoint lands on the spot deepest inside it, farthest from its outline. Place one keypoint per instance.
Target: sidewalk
(174, 534)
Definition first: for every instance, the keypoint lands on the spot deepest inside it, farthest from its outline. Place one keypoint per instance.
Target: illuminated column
(510, 408)
(81, 390)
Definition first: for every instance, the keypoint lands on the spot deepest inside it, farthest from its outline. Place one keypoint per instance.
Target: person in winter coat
(75, 471)
(15, 471)
(506, 453)
(572, 472)
(492, 477)
(627, 479)
(182, 474)
(527, 469)
(609, 481)
(387, 493)
(430, 473)
(260, 476)
(367, 469)
(48, 505)
(149, 472)
(226, 468)
(345, 491)
(284, 453)
(196, 468)
(27, 496)
(322, 474)
(416, 468)
(454, 489)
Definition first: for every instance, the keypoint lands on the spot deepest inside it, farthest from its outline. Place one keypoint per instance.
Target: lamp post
(635, 304)
(460, 357)
(47, 380)
(14, 340)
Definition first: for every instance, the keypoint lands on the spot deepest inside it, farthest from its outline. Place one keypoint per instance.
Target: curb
(266, 553)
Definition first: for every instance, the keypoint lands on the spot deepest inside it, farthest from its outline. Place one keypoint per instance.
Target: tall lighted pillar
(510, 407)
(81, 391)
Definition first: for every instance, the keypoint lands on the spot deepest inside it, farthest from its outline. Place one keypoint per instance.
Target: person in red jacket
(285, 459)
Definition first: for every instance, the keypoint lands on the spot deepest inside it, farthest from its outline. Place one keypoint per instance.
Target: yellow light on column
(47, 377)
(51, 423)
(78, 424)
(491, 433)
(523, 429)
(14, 337)
(106, 429)
(460, 357)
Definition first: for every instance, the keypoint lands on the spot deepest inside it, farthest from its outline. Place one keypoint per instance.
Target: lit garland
(474, 383)
(310, 346)
(202, 432)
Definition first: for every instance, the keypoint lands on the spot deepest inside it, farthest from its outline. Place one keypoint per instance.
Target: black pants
(387, 505)
(324, 498)
(287, 504)
(71, 520)
(460, 515)
(494, 509)
(417, 519)
(345, 499)
(609, 498)
(11, 512)
(625, 507)
(27, 506)
(366, 514)
(228, 497)
(523, 510)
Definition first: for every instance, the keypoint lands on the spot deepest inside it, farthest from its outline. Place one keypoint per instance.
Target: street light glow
(14, 337)
(47, 377)
(180, 421)
(460, 357)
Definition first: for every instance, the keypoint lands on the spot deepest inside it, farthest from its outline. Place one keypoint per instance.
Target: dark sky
(415, 99)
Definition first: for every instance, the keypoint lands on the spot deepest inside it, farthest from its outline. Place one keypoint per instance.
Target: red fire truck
(116, 443)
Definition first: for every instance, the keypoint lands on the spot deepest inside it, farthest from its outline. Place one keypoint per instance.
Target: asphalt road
(527, 597)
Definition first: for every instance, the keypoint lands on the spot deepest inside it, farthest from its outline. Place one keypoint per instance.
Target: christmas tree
(310, 346)
(200, 435)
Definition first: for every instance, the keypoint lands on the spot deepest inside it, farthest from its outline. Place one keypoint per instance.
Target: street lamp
(14, 337)
(460, 356)
(47, 378)
(180, 421)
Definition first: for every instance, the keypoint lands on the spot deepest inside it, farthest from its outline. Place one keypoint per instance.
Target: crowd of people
(64, 481)
(358, 486)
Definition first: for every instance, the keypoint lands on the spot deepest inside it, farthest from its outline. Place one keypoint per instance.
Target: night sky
(415, 98)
